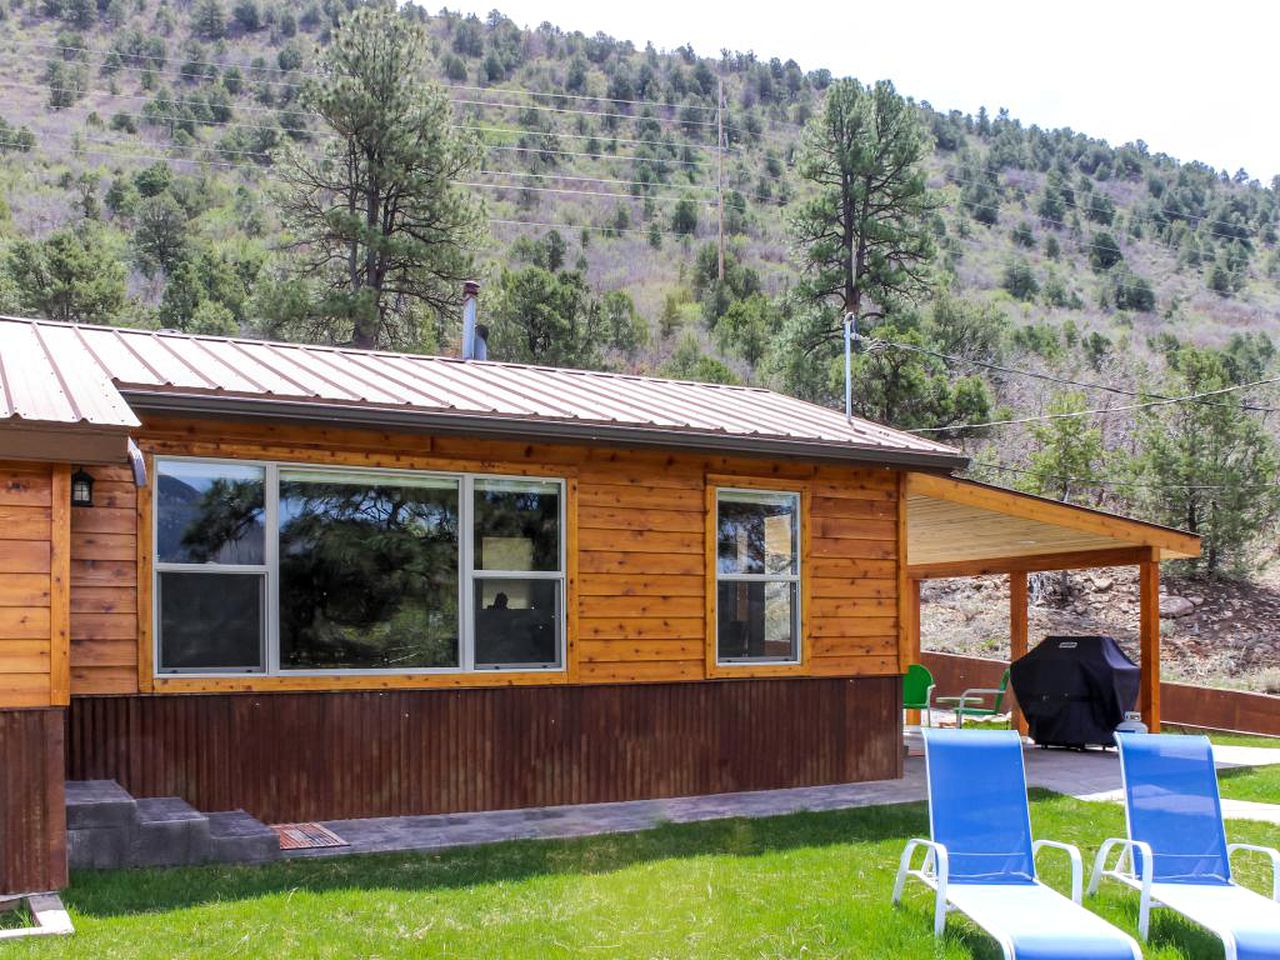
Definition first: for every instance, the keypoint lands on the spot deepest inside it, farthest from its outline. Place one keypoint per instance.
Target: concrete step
(99, 803)
(169, 832)
(101, 818)
(239, 837)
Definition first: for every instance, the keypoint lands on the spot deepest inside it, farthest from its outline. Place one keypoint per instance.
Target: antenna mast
(720, 172)
(850, 335)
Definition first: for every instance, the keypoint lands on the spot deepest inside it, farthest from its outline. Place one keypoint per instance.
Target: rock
(1103, 584)
(1196, 601)
(1171, 608)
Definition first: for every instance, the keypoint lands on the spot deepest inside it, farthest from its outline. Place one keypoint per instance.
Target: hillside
(137, 159)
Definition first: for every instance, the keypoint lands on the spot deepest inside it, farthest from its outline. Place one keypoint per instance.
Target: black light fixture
(81, 488)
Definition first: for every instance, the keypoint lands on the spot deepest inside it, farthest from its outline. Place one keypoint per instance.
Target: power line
(578, 226)
(1117, 484)
(521, 91)
(595, 156)
(1100, 411)
(197, 102)
(1064, 381)
(580, 193)
(1251, 232)
(580, 113)
(605, 180)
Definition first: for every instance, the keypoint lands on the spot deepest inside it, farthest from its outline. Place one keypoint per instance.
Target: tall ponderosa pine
(864, 238)
(379, 218)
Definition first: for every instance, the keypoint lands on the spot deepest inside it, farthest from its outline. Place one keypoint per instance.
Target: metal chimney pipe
(470, 291)
(481, 351)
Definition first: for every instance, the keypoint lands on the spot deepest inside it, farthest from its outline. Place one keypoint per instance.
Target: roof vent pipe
(470, 291)
(481, 348)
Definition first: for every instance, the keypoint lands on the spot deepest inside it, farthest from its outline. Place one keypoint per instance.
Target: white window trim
(794, 578)
(270, 570)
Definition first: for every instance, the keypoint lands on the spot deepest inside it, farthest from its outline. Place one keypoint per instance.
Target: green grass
(1231, 739)
(1261, 784)
(19, 916)
(806, 885)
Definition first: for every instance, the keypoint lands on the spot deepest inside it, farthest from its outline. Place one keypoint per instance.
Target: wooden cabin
(322, 583)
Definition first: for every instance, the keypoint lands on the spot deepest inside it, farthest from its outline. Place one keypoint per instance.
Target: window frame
(714, 577)
(270, 570)
(263, 570)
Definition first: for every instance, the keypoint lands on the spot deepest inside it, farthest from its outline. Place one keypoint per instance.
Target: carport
(962, 528)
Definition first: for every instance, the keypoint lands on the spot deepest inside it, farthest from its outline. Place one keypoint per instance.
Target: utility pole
(720, 173)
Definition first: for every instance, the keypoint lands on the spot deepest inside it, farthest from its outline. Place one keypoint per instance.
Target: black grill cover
(1074, 691)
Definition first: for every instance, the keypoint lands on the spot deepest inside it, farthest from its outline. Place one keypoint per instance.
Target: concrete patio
(1092, 776)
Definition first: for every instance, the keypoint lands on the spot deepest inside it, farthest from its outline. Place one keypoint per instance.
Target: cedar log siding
(34, 508)
(401, 752)
(641, 709)
(638, 577)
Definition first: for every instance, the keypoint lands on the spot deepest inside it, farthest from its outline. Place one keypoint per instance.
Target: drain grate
(306, 836)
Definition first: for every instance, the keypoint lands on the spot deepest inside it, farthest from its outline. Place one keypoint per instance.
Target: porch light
(81, 488)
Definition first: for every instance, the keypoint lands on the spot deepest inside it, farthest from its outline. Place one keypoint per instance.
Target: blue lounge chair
(1177, 855)
(981, 858)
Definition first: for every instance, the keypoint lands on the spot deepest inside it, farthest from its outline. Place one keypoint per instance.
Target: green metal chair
(917, 691)
(969, 703)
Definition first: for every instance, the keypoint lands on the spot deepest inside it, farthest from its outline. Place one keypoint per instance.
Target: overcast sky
(1198, 82)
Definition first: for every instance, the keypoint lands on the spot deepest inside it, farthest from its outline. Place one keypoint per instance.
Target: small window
(210, 566)
(518, 573)
(757, 576)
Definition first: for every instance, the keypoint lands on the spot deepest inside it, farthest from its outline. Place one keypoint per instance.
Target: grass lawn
(805, 885)
(1251, 783)
(1233, 739)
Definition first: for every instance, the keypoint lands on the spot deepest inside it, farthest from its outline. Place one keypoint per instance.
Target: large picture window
(757, 576)
(277, 569)
(368, 571)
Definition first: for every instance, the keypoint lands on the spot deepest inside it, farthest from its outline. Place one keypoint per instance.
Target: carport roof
(958, 528)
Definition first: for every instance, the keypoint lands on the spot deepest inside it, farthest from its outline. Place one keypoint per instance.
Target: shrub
(1020, 280)
(1104, 252)
(289, 57)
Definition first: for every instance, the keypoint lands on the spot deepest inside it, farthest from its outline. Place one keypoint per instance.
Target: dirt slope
(1214, 632)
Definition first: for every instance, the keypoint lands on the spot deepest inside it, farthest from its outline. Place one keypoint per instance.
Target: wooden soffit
(62, 443)
(958, 528)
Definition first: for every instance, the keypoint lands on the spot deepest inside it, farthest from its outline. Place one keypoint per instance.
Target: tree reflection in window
(210, 513)
(517, 525)
(368, 572)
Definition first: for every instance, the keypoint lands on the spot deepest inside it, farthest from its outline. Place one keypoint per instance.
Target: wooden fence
(1180, 703)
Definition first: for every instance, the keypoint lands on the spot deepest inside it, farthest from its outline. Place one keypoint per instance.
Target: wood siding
(33, 821)
(637, 570)
(392, 753)
(34, 507)
(104, 586)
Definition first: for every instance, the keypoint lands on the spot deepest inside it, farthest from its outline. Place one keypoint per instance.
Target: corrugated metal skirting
(322, 756)
(33, 819)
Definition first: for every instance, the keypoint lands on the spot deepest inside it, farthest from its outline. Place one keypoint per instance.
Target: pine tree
(1210, 466)
(864, 237)
(1069, 459)
(378, 217)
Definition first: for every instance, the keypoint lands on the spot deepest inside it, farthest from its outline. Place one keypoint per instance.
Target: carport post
(911, 624)
(1149, 630)
(1018, 633)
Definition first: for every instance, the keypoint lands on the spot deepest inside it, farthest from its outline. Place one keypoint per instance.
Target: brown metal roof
(68, 374)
